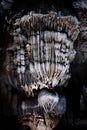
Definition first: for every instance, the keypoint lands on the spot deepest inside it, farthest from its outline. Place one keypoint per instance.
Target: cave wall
(81, 45)
(77, 8)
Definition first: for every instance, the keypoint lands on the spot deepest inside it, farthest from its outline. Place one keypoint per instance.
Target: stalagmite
(38, 61)
(45, 52)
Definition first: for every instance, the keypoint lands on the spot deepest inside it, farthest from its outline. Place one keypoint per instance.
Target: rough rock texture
(76, 93)
(41, 51)
(81, 44)
(36, 122)
(38, 57)
(78, 81)
(81, 47)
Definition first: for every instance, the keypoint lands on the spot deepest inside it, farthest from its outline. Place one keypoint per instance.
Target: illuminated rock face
(41, 51)
(37, 63)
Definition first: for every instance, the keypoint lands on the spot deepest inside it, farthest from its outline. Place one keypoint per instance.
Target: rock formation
(42, 51)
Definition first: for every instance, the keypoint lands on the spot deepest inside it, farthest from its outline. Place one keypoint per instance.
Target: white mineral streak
(47, 100)
(18, 57)
(37, 70)
(18, 61)
(35, 55)
(19, 70)
(54, 81)
(47, 57)
(23, 107)
(38, 51)
(22, 69)
(49, 52)
(32, 70)
(22, 62)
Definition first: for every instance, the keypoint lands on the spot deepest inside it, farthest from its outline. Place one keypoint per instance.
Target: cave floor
(11, 123)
